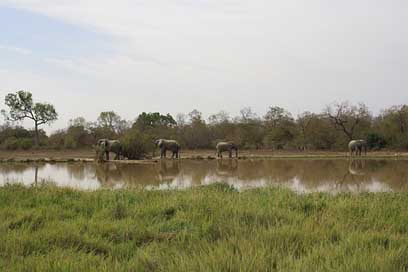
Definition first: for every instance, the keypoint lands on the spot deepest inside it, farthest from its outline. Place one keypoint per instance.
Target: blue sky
(30, 40)
(174, 56)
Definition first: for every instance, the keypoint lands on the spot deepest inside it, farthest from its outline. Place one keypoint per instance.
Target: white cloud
(14, 49)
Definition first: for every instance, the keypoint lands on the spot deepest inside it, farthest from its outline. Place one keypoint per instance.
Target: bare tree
(346, 117)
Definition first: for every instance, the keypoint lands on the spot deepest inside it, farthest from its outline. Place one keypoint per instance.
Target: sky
(173, 56)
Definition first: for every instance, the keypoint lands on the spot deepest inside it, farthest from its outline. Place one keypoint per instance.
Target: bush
(136, 145)
(25, 143)
(14, 143)
(69, 142)
(375, 141)
(11, 143)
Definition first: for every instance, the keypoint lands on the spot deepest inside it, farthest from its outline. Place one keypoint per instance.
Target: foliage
(280, 128)
(330, 129)
(21, 106)
(136, 145)
(110, 125)
(375, 141)
(13, 143)
(348, 118)
(147, 121)
(392, 125)
(212, 228)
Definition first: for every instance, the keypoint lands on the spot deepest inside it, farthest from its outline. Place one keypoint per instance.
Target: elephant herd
(105, 146)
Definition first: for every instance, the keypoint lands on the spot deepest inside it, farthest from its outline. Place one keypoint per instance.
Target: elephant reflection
(356, 167)
(113, 175)
(355, 175)
(227, 168)
(169, 170)
(108, 174)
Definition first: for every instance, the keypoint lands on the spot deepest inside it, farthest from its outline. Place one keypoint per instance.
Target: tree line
(330, 129)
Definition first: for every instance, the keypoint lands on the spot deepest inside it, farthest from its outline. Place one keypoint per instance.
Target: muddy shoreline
(87, 156)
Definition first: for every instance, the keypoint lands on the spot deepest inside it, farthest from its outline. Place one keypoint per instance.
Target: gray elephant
(226, 146)
(357, 146)
(104, 146)
(165, 145)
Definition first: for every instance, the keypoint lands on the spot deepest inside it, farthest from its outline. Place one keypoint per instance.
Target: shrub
(136, 145)
(11, 143)
(375, 141)
(25, 143)
(69, 142)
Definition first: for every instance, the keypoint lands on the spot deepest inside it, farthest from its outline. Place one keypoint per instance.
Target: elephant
(165, 145)
(105, 146)
(356, 146)
(226, 146)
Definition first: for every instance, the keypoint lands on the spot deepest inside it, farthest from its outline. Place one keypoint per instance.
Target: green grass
(210, 228)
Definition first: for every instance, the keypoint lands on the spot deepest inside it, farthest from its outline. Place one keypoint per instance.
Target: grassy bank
(209, 228)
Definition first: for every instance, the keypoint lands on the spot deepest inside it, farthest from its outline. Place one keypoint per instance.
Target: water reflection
(300, 175)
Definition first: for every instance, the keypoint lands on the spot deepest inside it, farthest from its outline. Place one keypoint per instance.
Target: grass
(210, 228)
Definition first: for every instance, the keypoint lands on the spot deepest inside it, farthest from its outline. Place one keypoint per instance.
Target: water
(334, 175)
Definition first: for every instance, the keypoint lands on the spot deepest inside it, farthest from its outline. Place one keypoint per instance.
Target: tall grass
(210, 228)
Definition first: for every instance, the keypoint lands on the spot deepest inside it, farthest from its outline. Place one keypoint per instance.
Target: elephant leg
(230, 153)
(116, 156)
(107, 155)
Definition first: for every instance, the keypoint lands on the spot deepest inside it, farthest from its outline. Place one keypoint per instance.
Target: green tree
(21, 106)
(146, 121)
(196, 133)
(109, 125)
(280, 127)
(392, 126)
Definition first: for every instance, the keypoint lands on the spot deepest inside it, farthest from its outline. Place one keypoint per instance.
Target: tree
(347, 118)
(111, 124)
(280, 127)
(151, 120)
(195, 134)
(247, 115)
(304, 121)
(222, 117)
(392, 126)
(22, 107)
(315, 131)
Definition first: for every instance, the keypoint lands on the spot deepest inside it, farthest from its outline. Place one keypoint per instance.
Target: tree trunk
(37, 136)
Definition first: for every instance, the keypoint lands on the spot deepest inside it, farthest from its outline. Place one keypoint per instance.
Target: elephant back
(225, 146)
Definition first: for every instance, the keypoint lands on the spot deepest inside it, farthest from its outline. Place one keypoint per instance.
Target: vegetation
(208, 228)
(136, 145)
(21, 107)
(331, 129)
